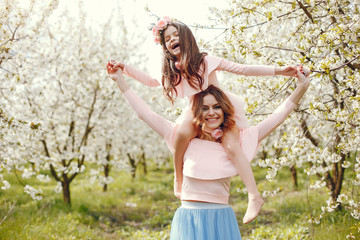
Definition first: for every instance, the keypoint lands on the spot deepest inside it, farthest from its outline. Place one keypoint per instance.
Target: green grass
(143, 209)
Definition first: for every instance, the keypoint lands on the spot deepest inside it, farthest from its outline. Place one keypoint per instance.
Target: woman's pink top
(207, 169)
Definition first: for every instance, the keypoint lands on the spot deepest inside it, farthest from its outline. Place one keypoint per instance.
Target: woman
(207, 170)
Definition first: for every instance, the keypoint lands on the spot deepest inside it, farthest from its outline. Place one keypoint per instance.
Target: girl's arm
(135, 73)
(160, 125)
(281, 113)
(256, 70)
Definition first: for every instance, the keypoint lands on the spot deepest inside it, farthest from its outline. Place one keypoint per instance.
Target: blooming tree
(322, 138)
(20, 24)
(57, 103)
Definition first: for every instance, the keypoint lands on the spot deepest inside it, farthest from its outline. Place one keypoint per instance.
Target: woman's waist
(202, 205)
(210, 191)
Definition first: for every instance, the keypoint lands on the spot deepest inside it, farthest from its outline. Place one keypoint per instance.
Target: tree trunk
(294, 176)
(143, 160)
(107, 165)
(66, 192)
(106, 173)
(338, 170)
(133, 166)
(338, 179)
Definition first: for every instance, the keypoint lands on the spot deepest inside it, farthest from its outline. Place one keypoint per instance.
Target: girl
(204, 213)
(187, 71)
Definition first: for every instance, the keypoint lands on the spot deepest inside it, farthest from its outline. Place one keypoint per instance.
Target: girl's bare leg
(231, 145)
(183, 136)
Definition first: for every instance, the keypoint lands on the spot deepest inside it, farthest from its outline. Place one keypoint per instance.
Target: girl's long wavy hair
(192, 62)
(225, 104)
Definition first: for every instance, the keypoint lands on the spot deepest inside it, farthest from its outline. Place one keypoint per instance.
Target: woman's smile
(212, 113)
(212, 119)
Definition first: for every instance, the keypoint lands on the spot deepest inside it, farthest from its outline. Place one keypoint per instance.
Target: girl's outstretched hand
(290, 71)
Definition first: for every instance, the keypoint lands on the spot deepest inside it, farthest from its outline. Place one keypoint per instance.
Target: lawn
(142, 208)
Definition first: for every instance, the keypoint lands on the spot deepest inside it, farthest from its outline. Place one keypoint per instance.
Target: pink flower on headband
(160, 26)
(167, 19)
(217, 133)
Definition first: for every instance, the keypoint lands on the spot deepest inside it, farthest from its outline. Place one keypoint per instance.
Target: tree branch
(53, 172)
(286, 84)
(305, 11)
(307, 133)
(279, 48)
(343, 65)
(52, 169)
(8, 213)
(88, 128)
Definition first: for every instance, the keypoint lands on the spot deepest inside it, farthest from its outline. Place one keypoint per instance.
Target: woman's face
(171, 38)
(212, 113)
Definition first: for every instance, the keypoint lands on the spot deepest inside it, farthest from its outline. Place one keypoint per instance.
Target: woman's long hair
(225, 104)
(191, 62)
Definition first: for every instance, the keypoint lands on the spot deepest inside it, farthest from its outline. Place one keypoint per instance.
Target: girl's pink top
(206, 162)
(212, 64)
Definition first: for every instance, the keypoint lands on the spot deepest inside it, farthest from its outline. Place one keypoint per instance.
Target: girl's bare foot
(253, 209)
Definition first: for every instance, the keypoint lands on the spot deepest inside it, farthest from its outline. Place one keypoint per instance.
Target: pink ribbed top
(207, 169)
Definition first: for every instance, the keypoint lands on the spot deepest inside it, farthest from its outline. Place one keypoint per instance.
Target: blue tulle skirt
(204, 221)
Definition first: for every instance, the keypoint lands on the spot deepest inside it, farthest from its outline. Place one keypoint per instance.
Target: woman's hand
(303, 76)
(303, 84)
(114, 70)
(116, 64)
(304, 70)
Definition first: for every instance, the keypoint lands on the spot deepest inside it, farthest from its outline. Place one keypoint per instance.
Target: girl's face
(212, 113)
(171, 38)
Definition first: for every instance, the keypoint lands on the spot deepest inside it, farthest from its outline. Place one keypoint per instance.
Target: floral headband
(159, 27)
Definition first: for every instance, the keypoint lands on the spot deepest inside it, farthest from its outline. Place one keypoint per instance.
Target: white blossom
(43, 178)
(58, 187)
(130, 204)
(342, 198)
(6, 185)
(318, 184)
(35, 194)
(355, 214)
